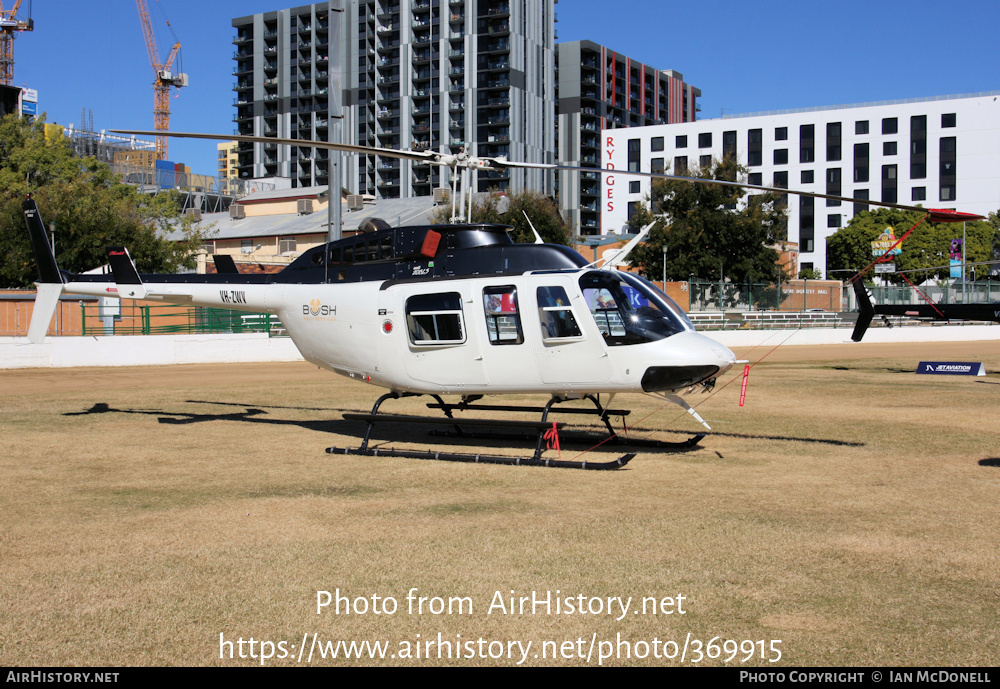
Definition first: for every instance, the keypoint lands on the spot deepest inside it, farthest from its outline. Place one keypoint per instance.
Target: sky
(744, 56)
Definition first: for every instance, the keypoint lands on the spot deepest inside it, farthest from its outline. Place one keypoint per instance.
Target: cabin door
(435, 345)
(568, 349)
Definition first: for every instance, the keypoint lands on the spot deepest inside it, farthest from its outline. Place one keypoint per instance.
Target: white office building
(935, 152)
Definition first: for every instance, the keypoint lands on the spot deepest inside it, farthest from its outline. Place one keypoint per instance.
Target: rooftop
(396, 212)
(872, 104)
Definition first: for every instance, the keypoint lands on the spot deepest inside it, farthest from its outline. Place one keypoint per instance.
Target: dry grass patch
(844, 511)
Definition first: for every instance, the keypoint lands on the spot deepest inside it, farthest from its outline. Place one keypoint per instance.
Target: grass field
(849, 510)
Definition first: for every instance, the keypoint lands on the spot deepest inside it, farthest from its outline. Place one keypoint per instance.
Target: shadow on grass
(796, 439)
(386, 432)
(392, 432)
(249, 415)
(863, 369)
(990, 462)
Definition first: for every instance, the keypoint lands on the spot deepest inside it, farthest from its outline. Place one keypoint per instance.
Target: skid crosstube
(564, 436)
(537, 430)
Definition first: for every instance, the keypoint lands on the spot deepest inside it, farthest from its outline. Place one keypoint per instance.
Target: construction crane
(163, 78)
(9, 24)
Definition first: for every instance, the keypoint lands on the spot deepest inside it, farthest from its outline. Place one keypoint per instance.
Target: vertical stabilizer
(50, 281)
(865, 309)
(48, 271)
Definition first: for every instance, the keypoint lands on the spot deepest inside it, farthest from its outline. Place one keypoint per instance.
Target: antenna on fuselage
(538, 237)
(620, 255)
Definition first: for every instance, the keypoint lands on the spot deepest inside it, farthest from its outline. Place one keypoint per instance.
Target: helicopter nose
(704, 358)
(725, 356)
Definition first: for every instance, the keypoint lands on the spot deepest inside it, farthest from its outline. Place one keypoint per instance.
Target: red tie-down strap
(552, 439)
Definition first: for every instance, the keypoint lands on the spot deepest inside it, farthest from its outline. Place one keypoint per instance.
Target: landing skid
(578, 438)
(540, 431)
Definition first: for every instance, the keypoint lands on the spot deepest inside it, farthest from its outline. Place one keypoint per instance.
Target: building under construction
(134, 160)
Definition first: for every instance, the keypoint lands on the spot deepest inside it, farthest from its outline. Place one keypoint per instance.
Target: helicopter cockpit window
(435, 319)
(503, 321)
(629, 310)
(555, 314)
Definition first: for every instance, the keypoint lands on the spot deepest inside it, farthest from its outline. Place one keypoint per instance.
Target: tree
(712, 230)
(639, 218)
(542, 210)
(994, 221)
(90, 207)
(849, 248)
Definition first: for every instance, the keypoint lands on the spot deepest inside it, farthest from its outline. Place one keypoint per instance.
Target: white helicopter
(447, 310)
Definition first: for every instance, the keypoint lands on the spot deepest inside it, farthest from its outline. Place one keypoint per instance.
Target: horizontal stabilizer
(224, 264)
(122, 266)
(126, 276)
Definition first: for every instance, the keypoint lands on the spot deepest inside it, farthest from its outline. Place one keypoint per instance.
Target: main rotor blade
(936, 217)
(740, 185)
(503, 162)
(456, 160)
(304, 143)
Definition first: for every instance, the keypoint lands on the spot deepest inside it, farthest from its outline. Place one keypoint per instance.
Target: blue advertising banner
(952, 368)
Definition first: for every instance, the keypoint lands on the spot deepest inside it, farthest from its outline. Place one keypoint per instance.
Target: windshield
(629, 309)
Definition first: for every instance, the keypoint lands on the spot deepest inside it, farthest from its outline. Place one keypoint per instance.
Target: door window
(435, 319)
(555, 314)
(503, 320)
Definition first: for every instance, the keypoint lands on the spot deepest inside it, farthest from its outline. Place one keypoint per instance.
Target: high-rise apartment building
(228, 174)
(410, 74)
(601, 89)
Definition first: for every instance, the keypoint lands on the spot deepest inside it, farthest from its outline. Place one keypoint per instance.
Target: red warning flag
(743, 387)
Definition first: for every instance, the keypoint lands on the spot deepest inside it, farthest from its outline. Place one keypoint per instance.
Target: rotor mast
(9, 24)
(163, 79)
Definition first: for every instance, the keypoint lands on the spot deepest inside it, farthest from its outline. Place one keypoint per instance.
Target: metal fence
(727, 296)
(149, 179)
(800, 296)
(169, 319)
(768, 320)
(980, 292)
